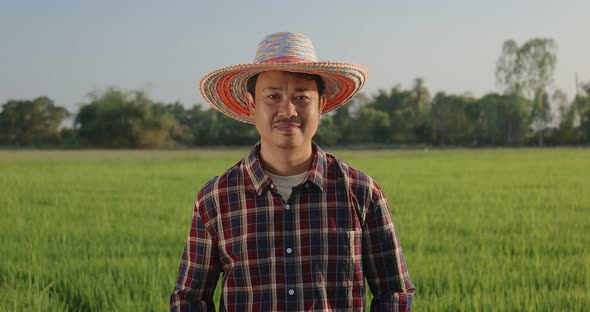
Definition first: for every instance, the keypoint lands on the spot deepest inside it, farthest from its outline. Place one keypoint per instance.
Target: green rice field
(482, 230)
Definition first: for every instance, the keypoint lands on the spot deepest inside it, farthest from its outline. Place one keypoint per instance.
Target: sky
(68, 49)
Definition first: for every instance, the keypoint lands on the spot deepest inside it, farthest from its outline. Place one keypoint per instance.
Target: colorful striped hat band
(225, 88)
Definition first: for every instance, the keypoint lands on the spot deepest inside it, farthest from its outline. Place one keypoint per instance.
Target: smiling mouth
(287, 126)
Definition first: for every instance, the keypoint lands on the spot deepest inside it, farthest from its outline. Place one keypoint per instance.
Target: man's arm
(199, 270)
(383, 260)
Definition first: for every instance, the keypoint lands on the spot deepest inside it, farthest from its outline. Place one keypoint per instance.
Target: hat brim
(225, 88)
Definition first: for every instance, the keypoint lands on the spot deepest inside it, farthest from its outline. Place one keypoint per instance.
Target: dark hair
(319, 81)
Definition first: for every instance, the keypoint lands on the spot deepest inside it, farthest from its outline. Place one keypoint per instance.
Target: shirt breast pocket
(337, 257)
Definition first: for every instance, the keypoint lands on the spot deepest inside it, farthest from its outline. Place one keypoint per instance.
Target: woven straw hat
(225, 88)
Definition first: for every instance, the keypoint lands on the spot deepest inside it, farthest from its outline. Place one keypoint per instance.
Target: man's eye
(301, 98)
(273, 96)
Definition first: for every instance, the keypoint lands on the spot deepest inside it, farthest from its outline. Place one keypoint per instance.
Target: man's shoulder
(354, 175)
(361, 186)
(222, 180)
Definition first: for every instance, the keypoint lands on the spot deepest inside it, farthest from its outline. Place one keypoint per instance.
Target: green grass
(482, 230)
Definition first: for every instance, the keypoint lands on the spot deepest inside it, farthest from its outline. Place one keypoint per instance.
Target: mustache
(295, 120)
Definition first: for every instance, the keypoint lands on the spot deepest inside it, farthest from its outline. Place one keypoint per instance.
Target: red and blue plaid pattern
(310, 252)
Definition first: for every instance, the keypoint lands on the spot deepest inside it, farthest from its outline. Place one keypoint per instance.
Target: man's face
(286, 109)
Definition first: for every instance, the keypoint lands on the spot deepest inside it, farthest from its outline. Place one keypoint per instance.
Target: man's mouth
(287, 126)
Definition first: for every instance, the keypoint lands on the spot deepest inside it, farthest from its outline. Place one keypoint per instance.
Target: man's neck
(286, 162)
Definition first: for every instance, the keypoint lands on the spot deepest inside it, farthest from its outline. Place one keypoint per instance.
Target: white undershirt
(285, 184)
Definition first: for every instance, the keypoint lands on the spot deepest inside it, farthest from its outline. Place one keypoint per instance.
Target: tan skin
(286, 112)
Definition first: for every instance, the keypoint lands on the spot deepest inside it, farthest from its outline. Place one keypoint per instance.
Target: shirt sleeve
(199, 270)
(383, 260)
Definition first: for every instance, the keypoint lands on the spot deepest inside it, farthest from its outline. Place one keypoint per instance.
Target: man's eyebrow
(299, 89)
(272, 89)
(302, 89)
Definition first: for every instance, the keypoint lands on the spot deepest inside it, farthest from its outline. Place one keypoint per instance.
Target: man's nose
(287, 108)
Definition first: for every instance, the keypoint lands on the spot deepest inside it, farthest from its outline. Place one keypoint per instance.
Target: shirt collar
(258, 180)
(317, 172)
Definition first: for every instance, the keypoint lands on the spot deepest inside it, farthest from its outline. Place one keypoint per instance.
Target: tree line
(527, 112)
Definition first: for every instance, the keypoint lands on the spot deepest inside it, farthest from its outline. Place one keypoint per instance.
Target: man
(290, 227)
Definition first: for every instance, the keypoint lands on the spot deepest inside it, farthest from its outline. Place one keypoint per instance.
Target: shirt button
(306, 185)
(289, 250)
(291, 292)
(287, 207)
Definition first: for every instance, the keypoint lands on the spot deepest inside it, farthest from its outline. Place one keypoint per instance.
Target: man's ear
(323, 101)
(250, 102)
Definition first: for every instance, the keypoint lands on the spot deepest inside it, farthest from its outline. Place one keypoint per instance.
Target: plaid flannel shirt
(311, 251)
